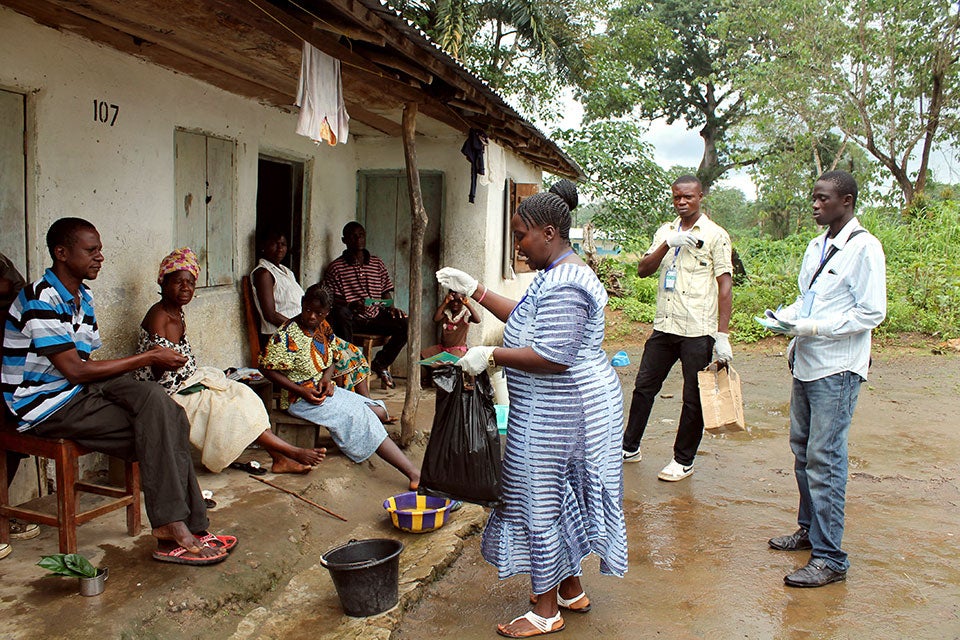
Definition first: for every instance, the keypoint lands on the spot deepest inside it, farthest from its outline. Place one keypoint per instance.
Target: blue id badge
(807, 308)
(670, 279)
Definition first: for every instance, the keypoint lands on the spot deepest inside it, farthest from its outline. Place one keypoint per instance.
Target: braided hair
(542, 209)
(568, 191)
(319, 294)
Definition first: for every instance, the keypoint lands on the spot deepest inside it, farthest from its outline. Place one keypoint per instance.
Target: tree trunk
(418, 226)
(709, 169)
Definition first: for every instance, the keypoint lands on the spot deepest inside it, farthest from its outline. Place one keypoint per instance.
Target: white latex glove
(456, 280)
(722, 351)
(475, 360)
(682, 238)
(802, 327)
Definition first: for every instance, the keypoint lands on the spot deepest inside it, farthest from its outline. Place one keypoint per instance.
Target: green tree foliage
(883, 72)
(527, 49)
(728, 207)
(627, 191)
(663, 59)
(784, 180)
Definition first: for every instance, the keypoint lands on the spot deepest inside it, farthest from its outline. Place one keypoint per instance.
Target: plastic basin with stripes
(417, 514)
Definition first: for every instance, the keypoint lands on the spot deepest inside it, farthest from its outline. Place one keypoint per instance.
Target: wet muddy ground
(699, 563)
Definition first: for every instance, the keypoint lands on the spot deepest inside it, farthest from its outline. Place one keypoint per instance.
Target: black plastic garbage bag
(462, 460)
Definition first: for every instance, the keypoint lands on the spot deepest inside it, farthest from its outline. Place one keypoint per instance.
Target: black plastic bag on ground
(462, 460)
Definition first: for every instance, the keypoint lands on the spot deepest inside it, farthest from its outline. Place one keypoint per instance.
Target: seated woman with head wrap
(225, 416)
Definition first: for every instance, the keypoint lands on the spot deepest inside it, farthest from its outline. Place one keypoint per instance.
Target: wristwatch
(490, 361)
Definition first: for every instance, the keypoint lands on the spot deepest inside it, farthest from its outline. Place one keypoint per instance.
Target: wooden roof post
(418, 226)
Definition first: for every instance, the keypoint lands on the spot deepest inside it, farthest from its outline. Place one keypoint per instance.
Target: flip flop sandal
(178, 556)
(252, 467)
(214, 541)
(541, 626)
(563, 603)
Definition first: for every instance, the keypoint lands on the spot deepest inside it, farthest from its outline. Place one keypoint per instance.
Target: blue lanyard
(552, 265)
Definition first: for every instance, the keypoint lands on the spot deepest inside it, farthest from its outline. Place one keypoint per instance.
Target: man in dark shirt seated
(56, 390)
(361, 286)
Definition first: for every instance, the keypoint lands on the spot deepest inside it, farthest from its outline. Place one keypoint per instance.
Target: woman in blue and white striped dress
(562, 470)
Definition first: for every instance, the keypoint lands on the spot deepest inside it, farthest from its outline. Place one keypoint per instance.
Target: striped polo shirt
(350, 282)
(44, 320)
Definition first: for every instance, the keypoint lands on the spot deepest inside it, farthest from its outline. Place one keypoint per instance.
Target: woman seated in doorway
(277, 295)
(225, 416)
(298, 359)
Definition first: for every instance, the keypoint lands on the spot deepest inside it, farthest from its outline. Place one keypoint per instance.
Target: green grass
(923, 275)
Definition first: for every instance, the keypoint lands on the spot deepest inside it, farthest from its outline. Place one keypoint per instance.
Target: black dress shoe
(815, 574)
(796, 541)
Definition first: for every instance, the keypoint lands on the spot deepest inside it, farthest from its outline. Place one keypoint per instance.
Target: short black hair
(567, 190)
(353, 224)
(845, 182)
(688, 178)
(542, 209)
(63, 233)
(270, 233)
(319, 294)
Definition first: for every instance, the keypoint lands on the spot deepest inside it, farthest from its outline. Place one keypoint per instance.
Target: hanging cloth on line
(323, 115)
(473, 148)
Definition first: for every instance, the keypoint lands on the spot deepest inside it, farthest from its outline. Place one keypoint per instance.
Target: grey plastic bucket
(366, 574)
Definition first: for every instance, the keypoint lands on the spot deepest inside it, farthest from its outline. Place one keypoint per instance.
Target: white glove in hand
(802, 327)
(456, 280)
(475, 360)
(722, 351)
(682, 238)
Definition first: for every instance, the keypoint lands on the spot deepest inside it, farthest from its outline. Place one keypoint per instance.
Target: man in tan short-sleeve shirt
(693, 257)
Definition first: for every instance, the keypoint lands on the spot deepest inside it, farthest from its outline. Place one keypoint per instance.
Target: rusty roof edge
(425, 42)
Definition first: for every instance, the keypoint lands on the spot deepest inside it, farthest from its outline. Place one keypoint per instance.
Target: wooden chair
(282, 423)
(368, 342)
(65, 453)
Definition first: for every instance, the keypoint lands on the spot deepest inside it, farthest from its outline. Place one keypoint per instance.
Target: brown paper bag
(721, 398)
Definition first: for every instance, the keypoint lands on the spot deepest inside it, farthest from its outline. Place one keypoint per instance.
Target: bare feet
(176, 534)
(309, 457)
(283, 464)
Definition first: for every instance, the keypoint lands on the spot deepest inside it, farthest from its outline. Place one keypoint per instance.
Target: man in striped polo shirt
(360, 286)
(56, 390)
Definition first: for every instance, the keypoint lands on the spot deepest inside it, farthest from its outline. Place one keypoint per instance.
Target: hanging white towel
(323, 116)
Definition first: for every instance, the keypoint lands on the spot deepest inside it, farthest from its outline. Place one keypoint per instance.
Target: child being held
(455, 313)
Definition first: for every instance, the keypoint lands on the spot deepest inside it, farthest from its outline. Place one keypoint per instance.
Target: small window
(515, 193)
(205, 177)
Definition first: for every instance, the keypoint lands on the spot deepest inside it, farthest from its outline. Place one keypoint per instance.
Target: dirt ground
(699, 563)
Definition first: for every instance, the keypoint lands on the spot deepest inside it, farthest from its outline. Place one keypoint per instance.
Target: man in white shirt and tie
(842, 299)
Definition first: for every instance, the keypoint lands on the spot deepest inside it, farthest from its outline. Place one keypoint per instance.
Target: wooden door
(384, 211)
(13, 195)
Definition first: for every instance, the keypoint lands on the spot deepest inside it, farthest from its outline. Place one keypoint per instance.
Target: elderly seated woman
(225, 416)
(298, 359)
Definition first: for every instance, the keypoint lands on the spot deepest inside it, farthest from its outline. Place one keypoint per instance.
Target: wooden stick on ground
(297, 495)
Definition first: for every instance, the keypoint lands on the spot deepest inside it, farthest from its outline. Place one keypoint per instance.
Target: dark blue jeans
(660, 353)
(820, 415)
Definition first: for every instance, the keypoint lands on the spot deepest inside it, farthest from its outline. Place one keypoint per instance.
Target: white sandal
(541, 625)
(563, 603)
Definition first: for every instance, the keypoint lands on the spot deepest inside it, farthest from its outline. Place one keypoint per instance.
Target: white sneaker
(5, 550)
(675, 471)
(632, 456)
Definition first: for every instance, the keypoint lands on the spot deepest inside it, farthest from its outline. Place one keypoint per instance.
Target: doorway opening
(280, 204)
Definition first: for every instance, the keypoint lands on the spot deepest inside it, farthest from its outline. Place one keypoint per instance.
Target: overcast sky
(676, 145)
